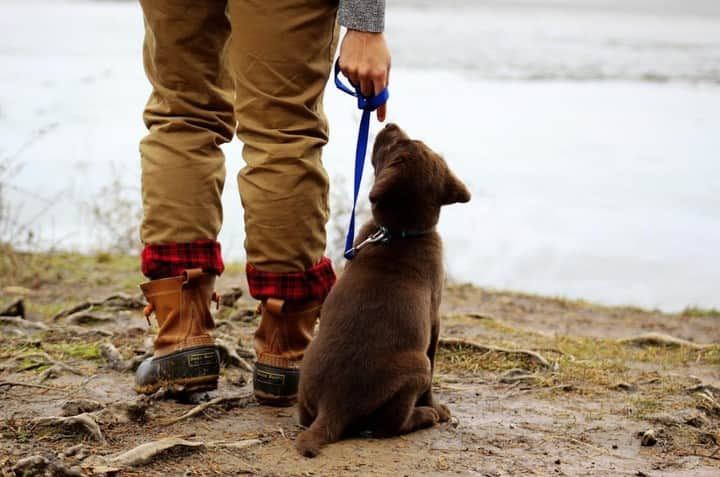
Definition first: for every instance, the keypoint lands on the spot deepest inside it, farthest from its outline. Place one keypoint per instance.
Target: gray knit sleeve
(363, 15)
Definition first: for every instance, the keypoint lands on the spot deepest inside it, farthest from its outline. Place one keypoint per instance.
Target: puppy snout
(391, 132)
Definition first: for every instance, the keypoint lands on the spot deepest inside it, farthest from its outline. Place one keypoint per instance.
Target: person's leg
(281, 57)
(188, 116)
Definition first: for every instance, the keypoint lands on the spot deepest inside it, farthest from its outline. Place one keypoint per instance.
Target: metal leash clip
(381, 236)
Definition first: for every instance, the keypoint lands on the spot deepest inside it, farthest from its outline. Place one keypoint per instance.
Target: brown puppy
(370, 366)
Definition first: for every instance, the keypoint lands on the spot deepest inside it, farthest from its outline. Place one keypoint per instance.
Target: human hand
(365, 61)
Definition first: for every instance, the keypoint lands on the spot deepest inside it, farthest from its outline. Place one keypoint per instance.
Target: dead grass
(36, 270)
(694, 312)
(587, 365)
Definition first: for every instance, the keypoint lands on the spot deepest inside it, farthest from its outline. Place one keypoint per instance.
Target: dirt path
(576, 404)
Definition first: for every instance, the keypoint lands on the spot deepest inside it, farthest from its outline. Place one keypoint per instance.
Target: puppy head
(412, 182)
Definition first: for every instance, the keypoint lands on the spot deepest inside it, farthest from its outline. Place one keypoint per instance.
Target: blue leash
(367, 105)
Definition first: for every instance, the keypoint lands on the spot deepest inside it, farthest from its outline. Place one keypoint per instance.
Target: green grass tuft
(86, 351)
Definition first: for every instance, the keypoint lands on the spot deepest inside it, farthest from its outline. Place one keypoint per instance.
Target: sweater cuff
(363, 15)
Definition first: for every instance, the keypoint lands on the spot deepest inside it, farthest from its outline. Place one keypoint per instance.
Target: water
(586, 130)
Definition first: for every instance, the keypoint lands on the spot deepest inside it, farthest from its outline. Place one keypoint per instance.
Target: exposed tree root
(660, 339)
(516, 375)
(41, 465)
(118, 301)
(16, 308)
(702, 387)
(532, 355)
(229, 355)
(708, 404)
(89, 317)
(146, 453)
(43, 359)
(85, 422)
(229, 402)
(21, 323)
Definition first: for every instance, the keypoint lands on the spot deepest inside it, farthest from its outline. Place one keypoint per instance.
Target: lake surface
(588, 132)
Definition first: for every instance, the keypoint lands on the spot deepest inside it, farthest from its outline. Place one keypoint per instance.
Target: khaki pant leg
(281, 55)
(188, 116)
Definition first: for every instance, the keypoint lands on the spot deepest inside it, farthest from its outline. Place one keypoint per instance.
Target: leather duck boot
(285, 330)
(186, 358)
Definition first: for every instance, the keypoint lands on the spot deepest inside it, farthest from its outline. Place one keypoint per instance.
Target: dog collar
(384, 234)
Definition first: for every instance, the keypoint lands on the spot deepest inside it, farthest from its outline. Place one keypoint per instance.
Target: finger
(366, 86)
(350, 73)
(379, 83)
(382, 112)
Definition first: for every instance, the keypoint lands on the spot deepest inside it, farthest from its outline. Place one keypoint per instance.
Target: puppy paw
(443, 412)
(421, 418)
(307, 444)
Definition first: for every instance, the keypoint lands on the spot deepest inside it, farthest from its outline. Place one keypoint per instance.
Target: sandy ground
(573, 403)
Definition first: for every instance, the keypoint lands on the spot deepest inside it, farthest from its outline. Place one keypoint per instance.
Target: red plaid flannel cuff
(171, 259)
(312, 284)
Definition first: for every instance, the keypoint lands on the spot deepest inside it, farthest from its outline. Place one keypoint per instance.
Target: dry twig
(11, 384)
(228, 401)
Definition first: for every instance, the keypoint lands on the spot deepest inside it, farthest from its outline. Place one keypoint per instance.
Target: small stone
(53, 372)
(229, 298)
(240, 380)
(71, 451)
(649, 438)
(33, 465)
(113, 357)
(707, 438)
(73, 407)
(557, 462)
(697, 420)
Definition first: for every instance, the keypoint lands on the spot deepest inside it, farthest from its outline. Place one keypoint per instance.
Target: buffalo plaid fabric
(313, 283)
(171, 259)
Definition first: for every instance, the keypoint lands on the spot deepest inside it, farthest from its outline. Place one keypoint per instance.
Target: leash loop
(367, 105)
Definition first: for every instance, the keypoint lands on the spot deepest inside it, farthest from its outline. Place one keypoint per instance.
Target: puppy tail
(310, 441)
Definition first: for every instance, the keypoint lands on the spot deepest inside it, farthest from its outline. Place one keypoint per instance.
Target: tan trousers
(258, 68)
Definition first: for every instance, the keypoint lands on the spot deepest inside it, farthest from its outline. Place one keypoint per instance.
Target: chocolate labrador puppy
(370, 366)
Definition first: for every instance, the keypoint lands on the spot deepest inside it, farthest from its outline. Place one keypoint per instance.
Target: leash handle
(367, 105)
(364, 103)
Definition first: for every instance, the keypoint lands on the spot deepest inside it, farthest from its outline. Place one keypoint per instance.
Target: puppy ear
(382, 185)
(455, 191)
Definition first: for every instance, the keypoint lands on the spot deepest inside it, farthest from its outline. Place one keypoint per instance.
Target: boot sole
(275, 386)
(275, 401)
(182, 385)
